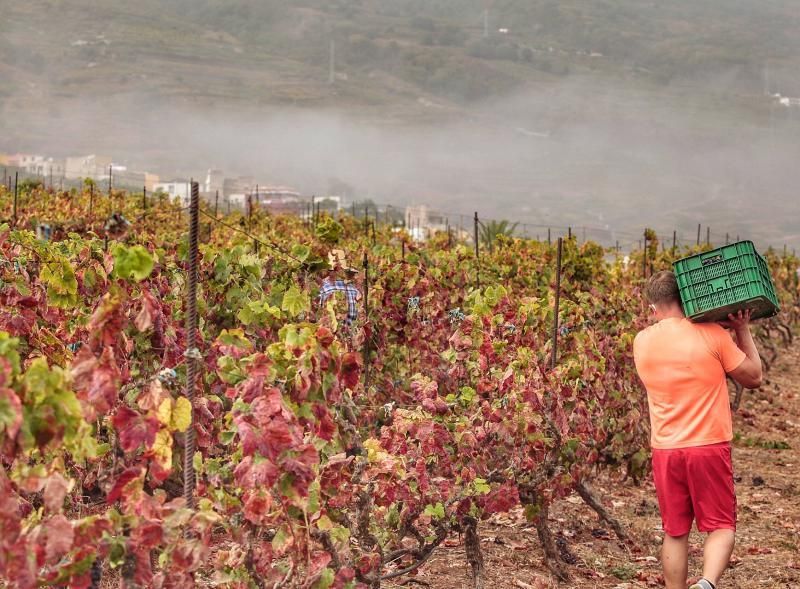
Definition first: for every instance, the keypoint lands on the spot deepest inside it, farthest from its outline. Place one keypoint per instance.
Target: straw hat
(338, 259)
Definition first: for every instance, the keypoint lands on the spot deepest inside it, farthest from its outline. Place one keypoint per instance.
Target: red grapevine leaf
(59, 537)
(350, 372)
(122, 482)
(98, 378)
(55, 489)
(134, 430)
(10, 412)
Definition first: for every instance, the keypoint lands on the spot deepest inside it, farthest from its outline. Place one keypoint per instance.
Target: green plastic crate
(725, 280)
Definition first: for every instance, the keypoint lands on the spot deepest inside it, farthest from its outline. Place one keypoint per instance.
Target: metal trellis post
(477, 253)
(16, 194)
(192, 353)
(556, 304)
(366, 320)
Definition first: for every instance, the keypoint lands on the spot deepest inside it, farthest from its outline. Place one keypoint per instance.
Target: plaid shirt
(351, 293)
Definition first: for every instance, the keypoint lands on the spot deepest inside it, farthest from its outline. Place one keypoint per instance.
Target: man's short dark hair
(662, 289)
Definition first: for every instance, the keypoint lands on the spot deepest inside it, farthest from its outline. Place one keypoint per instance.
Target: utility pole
(332, 64)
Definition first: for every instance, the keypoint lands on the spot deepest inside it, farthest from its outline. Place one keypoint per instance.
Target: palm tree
(491, 230)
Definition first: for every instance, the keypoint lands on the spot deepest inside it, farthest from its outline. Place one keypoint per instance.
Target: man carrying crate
(683, 366)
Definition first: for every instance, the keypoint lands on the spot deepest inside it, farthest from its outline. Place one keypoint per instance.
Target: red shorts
(695, 483)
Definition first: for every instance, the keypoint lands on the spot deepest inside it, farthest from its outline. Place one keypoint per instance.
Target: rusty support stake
(16, 194)
(366, 321)
(477, 253)
(556, 304)
(192, 354)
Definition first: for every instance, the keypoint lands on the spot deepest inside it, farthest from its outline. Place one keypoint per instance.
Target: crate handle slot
(715, 259)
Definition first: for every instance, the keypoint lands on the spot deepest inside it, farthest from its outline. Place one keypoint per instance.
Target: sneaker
(702, 584)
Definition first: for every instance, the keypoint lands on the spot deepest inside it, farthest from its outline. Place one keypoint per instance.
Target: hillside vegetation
(394, 51)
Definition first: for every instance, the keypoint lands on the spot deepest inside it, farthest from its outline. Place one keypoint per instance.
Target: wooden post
(674, 241)
(727, 239)
(216, 203)
(16, 195)
(708, 236)
(698, 234)
(144, 198)
(477, 253)
(366, 320)
(549, 242)
(373, 232)
(644, 256)
(569, 232)
(556, 305)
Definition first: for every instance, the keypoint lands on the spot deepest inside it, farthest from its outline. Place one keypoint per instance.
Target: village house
(175, 189)
(422, 222)
(88, 166)
(24, 161)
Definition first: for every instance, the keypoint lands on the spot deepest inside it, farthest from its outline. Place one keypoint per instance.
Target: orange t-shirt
(683, 365)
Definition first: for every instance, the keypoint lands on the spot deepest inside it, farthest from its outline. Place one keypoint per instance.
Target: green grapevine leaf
(132, 263)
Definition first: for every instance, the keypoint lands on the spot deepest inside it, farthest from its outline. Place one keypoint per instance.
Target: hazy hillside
(583, 111)
(391, 51)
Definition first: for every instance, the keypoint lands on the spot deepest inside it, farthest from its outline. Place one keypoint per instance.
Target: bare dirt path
(767, 469)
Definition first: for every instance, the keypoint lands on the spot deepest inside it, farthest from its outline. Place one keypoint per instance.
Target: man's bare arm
(749, 373)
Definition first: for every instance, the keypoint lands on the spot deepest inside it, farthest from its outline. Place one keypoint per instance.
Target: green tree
(491, 230)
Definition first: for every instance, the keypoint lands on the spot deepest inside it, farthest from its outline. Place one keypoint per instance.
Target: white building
(422, 222)
(46, 167)
(176, 189)
(87, 166)
(215, 181)
(24, 160)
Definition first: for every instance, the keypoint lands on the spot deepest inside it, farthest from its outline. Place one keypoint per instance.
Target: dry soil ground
(767, 470)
